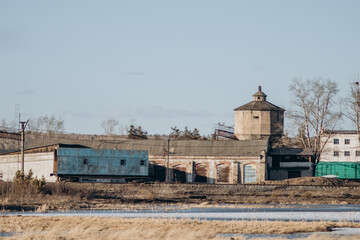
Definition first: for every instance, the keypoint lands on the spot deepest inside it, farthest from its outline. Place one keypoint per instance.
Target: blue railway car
(72, 164)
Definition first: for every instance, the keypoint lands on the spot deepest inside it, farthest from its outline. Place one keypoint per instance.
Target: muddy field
(75, 196)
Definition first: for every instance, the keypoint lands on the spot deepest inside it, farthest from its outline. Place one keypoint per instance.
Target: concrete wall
(40, 163)
(283, 173)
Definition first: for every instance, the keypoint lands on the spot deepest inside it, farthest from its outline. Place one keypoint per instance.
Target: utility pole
(22, 142)
(168, 162)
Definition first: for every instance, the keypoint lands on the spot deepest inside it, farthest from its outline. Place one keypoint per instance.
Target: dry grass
(75, 196)
(118, 228)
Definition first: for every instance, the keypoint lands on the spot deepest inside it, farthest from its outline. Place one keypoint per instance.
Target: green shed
(344, 170)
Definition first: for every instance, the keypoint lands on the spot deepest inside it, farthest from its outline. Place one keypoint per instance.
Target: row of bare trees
(316, 107)
(49, 124)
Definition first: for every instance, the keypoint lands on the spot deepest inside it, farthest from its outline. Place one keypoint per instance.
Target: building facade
(285, 163)
(190, 161)
(341, 154)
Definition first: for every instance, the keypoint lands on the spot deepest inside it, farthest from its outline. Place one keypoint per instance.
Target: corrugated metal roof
(259, 105)
(158, 147)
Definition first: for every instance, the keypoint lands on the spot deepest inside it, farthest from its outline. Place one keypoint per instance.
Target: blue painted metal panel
(102, 162)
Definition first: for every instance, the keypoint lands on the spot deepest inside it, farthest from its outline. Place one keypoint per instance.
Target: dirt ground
(76, 196)
(21, 227)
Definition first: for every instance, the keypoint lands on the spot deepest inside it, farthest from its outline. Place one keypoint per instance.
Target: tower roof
(259, 103)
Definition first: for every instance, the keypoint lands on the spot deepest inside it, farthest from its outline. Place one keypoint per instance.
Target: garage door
(249, 173)
(159, 173)
(201, 173)
(223, 171)
(179, 174)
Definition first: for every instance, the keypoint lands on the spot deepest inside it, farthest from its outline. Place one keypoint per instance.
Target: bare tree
(314, 103)
(109, 126)
(46, 123)
(353, 104)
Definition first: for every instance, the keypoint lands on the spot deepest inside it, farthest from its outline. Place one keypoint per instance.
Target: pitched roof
(259, 105)
(157, 147)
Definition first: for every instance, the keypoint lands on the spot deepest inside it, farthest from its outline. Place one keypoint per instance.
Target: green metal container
(344, 170)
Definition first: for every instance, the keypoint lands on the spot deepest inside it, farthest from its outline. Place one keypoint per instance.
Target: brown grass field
(62, 228)
(88, 196)
(75, 196)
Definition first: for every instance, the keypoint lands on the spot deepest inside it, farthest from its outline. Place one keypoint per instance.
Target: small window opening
(122, 161)
(347, 141)
(347, 153)
(256, 117)
(142, 162)
(336, 141)
(336, 153)
(84, 161)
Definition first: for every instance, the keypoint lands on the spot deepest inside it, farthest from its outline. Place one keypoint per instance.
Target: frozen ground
(309, 213)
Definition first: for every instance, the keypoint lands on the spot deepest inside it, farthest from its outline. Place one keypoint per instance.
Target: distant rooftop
(157, 147)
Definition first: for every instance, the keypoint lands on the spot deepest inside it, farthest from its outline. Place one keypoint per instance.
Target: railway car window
(84, 161)
(122, 161)
(142, 162)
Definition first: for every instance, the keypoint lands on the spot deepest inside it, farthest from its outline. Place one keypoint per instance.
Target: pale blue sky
(167, 63)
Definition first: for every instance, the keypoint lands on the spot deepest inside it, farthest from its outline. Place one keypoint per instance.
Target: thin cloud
(259, 69)
(135, 73)
(26, 92)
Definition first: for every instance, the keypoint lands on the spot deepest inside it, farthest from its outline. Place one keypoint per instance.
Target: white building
(340, 146)
(341, 154)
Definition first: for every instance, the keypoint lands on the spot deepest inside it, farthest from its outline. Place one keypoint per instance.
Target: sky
(160, 64)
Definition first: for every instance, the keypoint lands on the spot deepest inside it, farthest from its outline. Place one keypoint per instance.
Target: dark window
(84, 161)
(357, 153)
(142, 162)
(347, 141)
(347, 153)
(122, 161)
(336, 153)
(256, 117)
(336, 141)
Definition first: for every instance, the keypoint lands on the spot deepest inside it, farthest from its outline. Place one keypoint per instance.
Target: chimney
(259, 88)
